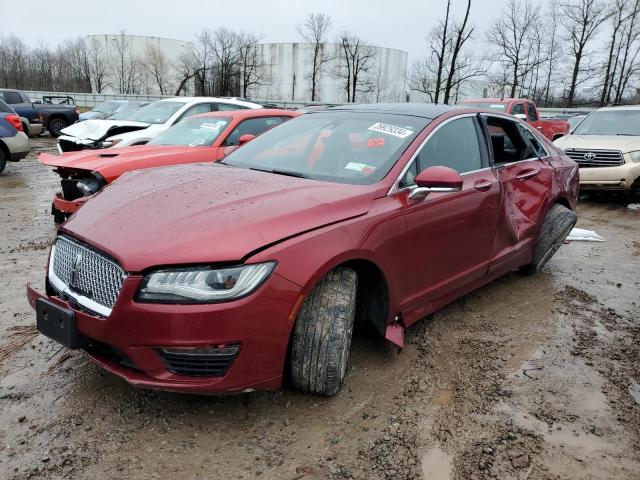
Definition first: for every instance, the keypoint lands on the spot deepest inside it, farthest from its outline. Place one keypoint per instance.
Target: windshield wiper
(279, 172)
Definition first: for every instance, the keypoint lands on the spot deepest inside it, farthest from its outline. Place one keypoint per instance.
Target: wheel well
(5, 150)
(372, 297)
(557, 136)
(56, 116)
(563, 201)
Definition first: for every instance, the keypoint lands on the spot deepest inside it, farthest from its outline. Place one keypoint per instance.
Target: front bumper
(610, 178)
(260, 323)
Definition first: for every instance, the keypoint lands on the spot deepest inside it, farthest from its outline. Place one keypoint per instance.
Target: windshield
(335, 146)
(157, 112)
(125, 112)
(501, 107)
(610, 122)
(107, 107)
(193, 132)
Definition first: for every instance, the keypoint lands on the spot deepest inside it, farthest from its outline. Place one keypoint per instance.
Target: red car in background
(526, 111)
(200, 138)
(231, 276)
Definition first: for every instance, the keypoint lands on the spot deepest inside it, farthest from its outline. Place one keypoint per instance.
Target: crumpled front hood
(125, 158)
(99, 129)
(206, 213)
(623, 143)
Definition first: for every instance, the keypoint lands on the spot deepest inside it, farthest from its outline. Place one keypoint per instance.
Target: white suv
(140, 126)
(606, 147)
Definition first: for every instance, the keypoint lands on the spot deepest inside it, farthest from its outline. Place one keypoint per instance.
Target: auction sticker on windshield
(390, 130)
(359, 167)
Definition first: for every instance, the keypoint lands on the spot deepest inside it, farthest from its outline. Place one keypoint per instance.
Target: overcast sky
(393, 24)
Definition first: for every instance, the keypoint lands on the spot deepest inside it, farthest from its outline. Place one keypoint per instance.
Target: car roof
(494, 100)
(425, 110)
(248, 113)
(210, 99)
(620, 107)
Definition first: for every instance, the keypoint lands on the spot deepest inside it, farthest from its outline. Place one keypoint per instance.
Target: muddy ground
(527, 378)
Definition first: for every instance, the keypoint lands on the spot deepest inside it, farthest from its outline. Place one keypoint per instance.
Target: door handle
(539, 127)
(482, 185)
(526, 174)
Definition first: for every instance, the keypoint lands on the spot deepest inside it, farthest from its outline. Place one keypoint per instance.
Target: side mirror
(247, 137)
(520, 116)
(436, 179)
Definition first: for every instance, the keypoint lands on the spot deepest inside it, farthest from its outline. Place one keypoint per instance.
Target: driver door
(449, 236)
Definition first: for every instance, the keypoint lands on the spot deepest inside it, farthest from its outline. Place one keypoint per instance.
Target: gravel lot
(529, 377)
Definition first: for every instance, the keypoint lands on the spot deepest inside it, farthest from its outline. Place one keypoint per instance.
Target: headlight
(635, 156)
(88, 186)
(110, 143)
(203, 285)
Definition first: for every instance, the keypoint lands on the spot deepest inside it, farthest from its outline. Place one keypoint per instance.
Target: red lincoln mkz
(230, 277)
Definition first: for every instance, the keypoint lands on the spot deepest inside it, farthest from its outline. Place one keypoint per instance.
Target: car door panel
(449, 236)
(449, 239)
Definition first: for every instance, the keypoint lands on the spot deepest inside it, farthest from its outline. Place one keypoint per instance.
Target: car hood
(623, 143)
(126, 158)
(99, 129)
(207, 213)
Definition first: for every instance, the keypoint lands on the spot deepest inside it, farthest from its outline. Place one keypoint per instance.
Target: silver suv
(14, 144)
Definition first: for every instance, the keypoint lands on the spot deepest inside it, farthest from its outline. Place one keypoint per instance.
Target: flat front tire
(322, 334)
(556, 227)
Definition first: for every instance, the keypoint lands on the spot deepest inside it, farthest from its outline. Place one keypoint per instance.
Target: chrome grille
(86, 272)
(595, 158)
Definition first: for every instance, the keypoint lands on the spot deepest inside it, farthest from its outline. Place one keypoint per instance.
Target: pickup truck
(525, 110)
(52, 117)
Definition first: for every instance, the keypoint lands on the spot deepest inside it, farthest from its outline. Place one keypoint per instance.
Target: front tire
(322, 334)
(56, 125)
(556, 227)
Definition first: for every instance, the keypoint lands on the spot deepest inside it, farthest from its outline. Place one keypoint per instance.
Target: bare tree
(619, 17)
(97, 65)
(157, 66)
(126, 65)
(439, 46)
(462, 33)
(511, 35)
(251, 62)
(357, 59)
(552, 48)
(581, 19)
(227, 58)
(186, 69)
(421, 78)
(315, 30)
(628, 52)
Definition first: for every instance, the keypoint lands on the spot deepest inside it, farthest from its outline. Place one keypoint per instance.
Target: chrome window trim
(395, 188)
(81, 300)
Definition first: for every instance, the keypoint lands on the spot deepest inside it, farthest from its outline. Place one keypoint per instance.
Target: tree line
(557, 53)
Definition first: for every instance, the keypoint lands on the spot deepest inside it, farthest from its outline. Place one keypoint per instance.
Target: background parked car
(14, 143)
(31, 119)
(525, 110)
(144, 124)
(106, 109)
(606, 147)
(208, 137)
(54, 117)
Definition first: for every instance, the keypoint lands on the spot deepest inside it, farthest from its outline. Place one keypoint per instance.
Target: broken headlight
(203, 285)
(88, 186)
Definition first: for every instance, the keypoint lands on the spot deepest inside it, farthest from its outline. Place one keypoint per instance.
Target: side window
(253, 126)
(507, 143)
(12, 98)
(228, 106)
(533, 140)
(531, 112)
(195, 110)
(518, 108)
(454, 145)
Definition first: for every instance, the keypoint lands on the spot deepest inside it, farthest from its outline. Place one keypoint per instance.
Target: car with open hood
(142, 125)
(606, 147)
(207, 137)
(232, 276)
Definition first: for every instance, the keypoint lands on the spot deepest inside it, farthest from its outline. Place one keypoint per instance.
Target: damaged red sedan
(231, 277)
(206, 137)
